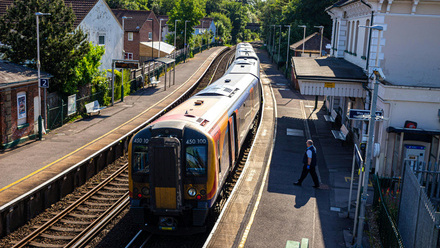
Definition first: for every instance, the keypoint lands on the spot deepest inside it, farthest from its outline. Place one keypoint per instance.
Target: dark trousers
(312, 172)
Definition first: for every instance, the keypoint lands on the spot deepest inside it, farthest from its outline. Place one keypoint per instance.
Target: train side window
(225, 153)
(140, 159)
(196, 160)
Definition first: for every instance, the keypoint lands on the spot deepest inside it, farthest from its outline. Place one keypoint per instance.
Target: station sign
(127, 65)
(362, 114)
(44, 83)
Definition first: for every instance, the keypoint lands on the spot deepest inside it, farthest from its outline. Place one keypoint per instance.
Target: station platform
(28, 165)
(266, 209)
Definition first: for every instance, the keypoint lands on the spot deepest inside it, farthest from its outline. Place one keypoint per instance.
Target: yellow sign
(329, 85)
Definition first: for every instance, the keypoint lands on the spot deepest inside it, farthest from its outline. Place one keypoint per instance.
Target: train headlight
(145, 191)
(192, 192)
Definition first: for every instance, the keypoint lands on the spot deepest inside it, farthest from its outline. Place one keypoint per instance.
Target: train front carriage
(171, 185)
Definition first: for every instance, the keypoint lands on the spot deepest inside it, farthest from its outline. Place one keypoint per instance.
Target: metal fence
(418, 217)
(389, 234)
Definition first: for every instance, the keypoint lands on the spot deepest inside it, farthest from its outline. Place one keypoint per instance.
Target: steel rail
(216, 68)
(69, 209)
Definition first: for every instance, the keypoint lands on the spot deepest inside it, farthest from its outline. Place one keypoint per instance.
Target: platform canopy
(145, 49)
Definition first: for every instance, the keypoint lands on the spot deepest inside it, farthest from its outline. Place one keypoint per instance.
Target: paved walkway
(26, 159)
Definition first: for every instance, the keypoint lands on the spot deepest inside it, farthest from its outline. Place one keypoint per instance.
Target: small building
(311, 45)
(19, 104)
(141, 27)
(206, 25)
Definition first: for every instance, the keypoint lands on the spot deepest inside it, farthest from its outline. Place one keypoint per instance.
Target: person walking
(309, 164)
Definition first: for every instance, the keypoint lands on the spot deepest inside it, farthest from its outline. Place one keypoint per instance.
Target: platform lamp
(304, 37)
(152, 43)
(288, 48)
(321, 29)
(175, 50)
(160, 36)
(279, 45)
(364, 196)
(123, 55)
(40, 124)
(184, 42)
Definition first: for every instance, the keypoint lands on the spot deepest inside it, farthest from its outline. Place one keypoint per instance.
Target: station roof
(327, 68)
(145, 48)
(12, 74)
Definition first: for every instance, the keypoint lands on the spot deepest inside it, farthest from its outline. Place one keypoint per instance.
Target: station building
(19, 104)
(408, 96)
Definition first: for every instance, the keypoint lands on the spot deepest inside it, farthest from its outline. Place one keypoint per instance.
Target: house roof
(138, 18)
(207, 23)
(80, 7)
(11, 74)
(327, 68)
(311, 43)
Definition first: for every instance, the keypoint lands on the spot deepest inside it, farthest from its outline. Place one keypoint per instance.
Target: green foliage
(127, 85)
(101, 90)
(61, 47)
(190, 10)
(128, 4)
(237, 13)
(88, 67)
(223, 26)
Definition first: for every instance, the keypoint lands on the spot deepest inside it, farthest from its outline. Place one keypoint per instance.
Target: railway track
(82, 218)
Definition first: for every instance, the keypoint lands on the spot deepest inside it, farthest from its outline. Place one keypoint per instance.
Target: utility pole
(371, 131)
(288, 48)
(321, 28)
(304, 37)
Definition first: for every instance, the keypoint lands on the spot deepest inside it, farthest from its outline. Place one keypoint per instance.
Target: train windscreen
(196, 160)
(140, 160)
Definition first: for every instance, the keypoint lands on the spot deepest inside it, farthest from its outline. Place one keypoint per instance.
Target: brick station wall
(9, 131)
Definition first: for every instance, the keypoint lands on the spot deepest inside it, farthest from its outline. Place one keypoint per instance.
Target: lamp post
(273, 41)
(175, 50)
(185, 41)
(321, 28)
(279, 46)
(288, 48)
(152, 43)
(371, 131)
(40, 126)
(304, 37)
(123, 55)
(202, 37)
(175, 35)
(160, 36)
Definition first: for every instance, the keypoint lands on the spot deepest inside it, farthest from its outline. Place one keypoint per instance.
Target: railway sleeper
(66, 229)
(109, 194)
(85, 210)
(97, 198)
(37, 244)
(84, 216)
(75, 222)
(115, 189)
(119, 184)
(57, 237)
(99, 204)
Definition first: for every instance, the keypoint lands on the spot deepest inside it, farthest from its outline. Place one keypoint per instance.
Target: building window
(347, 47)
(130, 36)
(101, 40)
(128, 56)
(150, 35)
(352, 36)
(356, 38)
(364, 52)
(21, 108)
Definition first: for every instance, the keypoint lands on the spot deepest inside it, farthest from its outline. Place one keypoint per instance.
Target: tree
(237, 13)
(223, 26)
(128, 4)
(61, 47)
(87, 69)
(190, 10)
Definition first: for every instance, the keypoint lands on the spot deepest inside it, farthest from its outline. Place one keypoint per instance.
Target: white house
(96, 19)
(206, 25)
(409, 57)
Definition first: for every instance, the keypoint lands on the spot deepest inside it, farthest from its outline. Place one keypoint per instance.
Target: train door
(233, 139)
(166, 186)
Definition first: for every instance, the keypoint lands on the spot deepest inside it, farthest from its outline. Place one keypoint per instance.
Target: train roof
(246, 53)
(211, 103)
(245, 65)
(240, 45)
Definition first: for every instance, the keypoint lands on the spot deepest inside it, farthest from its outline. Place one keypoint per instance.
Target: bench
(93, 107)
(332, 117)
(154, 82)
(341, 134)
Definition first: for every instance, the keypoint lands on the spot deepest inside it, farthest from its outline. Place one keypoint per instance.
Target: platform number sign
(44, 82)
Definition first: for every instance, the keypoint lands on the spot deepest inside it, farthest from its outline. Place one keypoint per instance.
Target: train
(179, 163)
